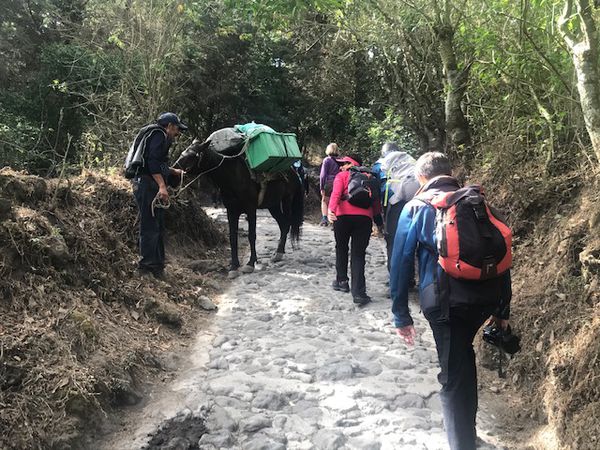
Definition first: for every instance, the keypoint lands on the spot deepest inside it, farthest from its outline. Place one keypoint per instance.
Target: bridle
(199, 156)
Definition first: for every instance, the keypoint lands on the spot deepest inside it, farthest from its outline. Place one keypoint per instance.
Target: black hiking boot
(340, 286)
(362, 300)
(157, 274)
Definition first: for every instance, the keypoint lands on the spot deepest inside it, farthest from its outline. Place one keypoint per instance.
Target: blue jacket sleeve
(402, 266)
(157, 154)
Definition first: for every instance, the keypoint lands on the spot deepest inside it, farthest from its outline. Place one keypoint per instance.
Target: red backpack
(473, 242)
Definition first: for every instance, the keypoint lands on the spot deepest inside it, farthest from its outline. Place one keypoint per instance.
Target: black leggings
(357, 229)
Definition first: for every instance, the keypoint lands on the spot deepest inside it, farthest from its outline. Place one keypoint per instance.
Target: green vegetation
(474, 78)
(509, 89)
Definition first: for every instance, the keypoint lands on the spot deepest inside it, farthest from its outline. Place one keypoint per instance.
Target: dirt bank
(80, 332)
(554, 381)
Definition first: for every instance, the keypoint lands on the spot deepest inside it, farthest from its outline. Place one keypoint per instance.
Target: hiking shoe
(151, 274)
(362, 300)
(340, 286)
(143, 273)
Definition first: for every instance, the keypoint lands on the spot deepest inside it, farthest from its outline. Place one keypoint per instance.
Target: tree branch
(563, 24)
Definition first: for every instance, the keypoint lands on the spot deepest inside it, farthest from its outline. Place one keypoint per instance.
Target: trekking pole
(501, 373)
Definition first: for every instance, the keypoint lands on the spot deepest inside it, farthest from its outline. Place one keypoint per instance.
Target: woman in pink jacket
(351, 224)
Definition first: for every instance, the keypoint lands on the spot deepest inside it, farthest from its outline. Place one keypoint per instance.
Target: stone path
(295, 365)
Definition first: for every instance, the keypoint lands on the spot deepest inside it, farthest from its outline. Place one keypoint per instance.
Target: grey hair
(388, 148)
(432, 164)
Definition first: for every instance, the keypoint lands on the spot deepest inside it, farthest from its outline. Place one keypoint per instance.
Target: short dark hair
(357, 158)
(432, 164)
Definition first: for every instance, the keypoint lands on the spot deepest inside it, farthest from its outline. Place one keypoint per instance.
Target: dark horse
(283, 197)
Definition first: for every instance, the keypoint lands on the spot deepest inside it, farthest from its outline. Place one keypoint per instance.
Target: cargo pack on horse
(282, 194)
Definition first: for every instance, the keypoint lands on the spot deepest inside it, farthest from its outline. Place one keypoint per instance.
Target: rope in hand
(158, 203)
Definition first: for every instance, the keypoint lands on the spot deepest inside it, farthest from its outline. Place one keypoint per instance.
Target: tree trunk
(457, 126)
(583, 44)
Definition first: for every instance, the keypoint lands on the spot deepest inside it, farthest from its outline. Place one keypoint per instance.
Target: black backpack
(136, 156)
(363, 187)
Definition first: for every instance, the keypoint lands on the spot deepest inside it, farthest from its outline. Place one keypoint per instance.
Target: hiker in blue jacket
(454, 324)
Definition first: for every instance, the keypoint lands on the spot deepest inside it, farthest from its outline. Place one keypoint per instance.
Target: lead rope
(158, 203)
(223, 158)
(183, 188)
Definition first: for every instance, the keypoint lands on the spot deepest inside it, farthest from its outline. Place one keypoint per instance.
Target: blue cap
(166, 118)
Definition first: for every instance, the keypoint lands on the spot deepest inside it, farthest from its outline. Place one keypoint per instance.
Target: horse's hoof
(247, 269)
(233, 274)
(277, 257)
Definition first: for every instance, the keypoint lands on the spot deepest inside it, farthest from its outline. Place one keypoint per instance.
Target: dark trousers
(357, 230)
(392, 216)
(151, 243)
(458, 375)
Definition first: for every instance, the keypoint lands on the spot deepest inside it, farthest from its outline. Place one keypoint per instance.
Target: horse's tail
(297, 216)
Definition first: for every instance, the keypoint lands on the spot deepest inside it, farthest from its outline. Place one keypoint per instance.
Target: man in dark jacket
(150, 183)
(470, 303)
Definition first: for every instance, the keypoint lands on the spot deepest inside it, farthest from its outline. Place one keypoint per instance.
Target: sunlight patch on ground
(300, 276)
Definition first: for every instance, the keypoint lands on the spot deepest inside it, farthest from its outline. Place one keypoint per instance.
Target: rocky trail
(288, 363)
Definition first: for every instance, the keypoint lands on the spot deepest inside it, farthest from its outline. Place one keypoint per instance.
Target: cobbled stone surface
(293, 364)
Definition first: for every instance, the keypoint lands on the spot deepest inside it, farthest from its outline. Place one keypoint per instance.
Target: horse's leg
(284, 228)
(249, 267)
(233, 218)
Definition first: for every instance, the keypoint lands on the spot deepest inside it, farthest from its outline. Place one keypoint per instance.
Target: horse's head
(192, 158)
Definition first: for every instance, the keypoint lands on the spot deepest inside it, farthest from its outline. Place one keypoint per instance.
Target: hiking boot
(340, 286)
(151, 274)
(361, 300)
(145, 274)
(159, 275)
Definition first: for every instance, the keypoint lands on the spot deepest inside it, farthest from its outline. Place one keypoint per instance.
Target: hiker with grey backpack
(464, 254)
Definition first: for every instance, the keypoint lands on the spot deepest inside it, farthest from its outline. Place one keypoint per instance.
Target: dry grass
(79, 329)
(555, 304)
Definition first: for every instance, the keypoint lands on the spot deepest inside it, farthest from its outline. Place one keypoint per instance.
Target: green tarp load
(268, 150)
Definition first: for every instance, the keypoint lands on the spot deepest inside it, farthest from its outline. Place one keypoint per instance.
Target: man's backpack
(136, 156)
(473, 241)
(398, 171)
(363, 187)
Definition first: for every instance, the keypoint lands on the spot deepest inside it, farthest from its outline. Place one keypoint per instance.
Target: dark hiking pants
(392, 216)
(458, 375)
(355, 230)
(151, 230)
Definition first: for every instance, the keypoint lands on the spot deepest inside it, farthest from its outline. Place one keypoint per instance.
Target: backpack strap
(441, 282)
(451, 198)
(388, 182)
